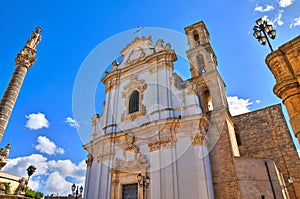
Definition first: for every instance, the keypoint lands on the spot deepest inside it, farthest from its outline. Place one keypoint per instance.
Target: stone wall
(222, 162)
(258, 178)
(264, 134)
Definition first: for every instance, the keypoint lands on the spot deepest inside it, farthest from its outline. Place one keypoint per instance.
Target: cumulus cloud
(36, 121)
(285, 3)
(266, 9)
(17, 166)
(56, 183)
(51, 176)
(72, 122)
(238, 106)
(47, 146)
(296, 22)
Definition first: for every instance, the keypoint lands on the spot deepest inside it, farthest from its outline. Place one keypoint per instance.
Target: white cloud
(295, 23)
(51, 177)
(47, 146)
(262, 9)
(36, 121)
(285, 3)
(278, 18)
(72, 122)
(18, 166)
(257, 101)
(56, 183)
(238, 106)
(265, 18)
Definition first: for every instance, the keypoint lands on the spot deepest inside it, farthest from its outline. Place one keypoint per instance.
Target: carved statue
(4, 153)
(23, 182)
(159, 45)
(35, 38)
(168, 46)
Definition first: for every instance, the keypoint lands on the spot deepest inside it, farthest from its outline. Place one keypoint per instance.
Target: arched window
(134, 102)
(196, 37)
(200, 64)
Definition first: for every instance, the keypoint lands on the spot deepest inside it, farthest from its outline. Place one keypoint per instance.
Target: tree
(30, 170)
(33, 194)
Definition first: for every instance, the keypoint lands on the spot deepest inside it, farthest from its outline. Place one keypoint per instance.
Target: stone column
(24, 60)
(284, 63)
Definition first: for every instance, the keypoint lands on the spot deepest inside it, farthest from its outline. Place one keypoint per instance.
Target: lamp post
(267, 30)
(77, 193)
(143, 182)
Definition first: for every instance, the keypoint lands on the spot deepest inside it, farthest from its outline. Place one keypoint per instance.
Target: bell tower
(203, 67)
(210, 89)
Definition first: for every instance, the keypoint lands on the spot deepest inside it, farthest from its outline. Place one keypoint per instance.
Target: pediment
(139, 49)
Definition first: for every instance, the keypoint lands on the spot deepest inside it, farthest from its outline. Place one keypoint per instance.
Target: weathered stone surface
(284, 64)
(265, 134)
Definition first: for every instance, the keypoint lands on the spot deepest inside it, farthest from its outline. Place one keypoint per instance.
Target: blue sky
(42, 127)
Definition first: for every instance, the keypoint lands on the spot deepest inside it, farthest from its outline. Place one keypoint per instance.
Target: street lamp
(143, 182)
(77, 194)
(265, 28)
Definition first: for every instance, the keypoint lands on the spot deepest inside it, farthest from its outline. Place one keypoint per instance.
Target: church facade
(163, 137)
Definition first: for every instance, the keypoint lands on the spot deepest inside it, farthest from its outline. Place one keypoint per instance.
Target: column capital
(26, 57)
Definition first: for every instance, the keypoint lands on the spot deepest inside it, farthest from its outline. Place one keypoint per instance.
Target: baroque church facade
(179, 135)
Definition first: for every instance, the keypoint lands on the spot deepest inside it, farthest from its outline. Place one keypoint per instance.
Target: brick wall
(264, 134)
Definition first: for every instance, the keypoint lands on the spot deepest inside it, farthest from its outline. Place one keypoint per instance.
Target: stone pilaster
(24, 60)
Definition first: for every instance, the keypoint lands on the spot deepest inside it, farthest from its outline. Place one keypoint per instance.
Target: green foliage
(33, 194)
(7, 187)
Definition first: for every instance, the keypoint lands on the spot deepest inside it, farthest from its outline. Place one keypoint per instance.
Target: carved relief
(129, 141)
(198, 139)
(135, 56)
(105, 156)
(158, 144)
(139, 163)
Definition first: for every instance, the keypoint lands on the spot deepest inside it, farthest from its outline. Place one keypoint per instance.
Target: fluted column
(24, 60)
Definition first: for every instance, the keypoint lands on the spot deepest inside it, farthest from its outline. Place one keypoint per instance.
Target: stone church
(162, 137)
